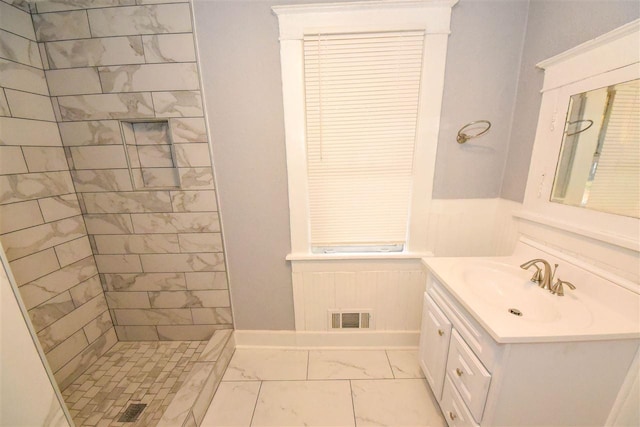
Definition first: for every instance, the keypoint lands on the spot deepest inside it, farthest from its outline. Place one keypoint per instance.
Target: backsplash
(88, 248)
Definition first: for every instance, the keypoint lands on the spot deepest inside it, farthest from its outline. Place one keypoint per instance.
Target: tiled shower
(108, 212)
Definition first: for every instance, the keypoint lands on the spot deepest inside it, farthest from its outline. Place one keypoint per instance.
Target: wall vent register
(352, 319)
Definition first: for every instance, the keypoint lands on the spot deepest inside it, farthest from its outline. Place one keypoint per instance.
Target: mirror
(599, 163)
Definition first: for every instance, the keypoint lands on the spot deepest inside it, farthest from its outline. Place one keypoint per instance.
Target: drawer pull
(440, 332)
(459, 372)
(452, 416)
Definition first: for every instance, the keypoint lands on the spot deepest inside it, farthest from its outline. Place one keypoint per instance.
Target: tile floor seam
(353, 405)
(255, 406)
(386, 353)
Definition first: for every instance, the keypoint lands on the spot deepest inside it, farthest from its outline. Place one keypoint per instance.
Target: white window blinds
(615, 185)
(362, 94)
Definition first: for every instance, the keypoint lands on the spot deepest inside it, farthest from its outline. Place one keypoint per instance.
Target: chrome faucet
(543, 277)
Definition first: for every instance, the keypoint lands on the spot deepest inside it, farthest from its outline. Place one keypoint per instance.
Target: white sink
(509, 289)
(496, 290)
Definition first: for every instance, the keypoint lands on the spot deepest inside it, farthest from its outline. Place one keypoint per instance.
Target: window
(362, 88)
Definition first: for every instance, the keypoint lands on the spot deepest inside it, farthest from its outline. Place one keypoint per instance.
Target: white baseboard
(327, 340)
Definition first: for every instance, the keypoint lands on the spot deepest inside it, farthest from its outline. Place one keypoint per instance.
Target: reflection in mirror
(599, 164)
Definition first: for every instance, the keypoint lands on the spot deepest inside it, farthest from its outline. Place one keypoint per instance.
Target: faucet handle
(558, 289)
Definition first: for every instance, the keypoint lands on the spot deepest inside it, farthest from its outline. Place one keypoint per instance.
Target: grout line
(308, 359)
(353, 403)
(255, 406)
(390, 365)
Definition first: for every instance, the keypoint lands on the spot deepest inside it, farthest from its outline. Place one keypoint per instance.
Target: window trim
(431, 16)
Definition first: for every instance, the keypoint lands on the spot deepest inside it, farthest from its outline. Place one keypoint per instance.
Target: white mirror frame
(606, 60)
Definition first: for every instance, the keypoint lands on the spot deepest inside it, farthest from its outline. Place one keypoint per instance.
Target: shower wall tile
(196, 178)
(135, 201)
(200, 242)
(177, 103)
(45, 159)
(4, 105)
(41, 225)
(71, 323)
(189, 130)
(169, 48)
(63, 5)
(137, 244)
(16, 21)
(151, 77)
(19, 49)
(17, 216)
(194, 201)
(184, 299)
(180, 262)
(17, 188)
(108, 224)
(120, 21)
(34, 266)
(22, 132)
(145, 282)
(95, 52)
(59, 207)
(73, 251)
(169, 316)
(72, 346)
(99, 157)
(61, 26)
(176, 222)
(153, 248)
(12, 161)
(105, 106)
(192, 155)
(96, 180)
(103, 132)
(73, 81)
(76, 366)
(22, 77)
(118, 263)
(86, 290)
(206, 280)
(50, 311)
(206, 316)
(30, 240)
(25, 5)
(127, 300)
(48, 286)
(30, 106)
(137, 333)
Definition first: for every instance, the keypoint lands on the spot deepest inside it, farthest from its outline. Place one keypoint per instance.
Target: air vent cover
(350, 319)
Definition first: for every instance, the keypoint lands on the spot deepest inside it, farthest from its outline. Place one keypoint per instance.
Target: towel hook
(463, 137)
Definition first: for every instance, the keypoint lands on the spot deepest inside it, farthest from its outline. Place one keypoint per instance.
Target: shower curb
(190, 404)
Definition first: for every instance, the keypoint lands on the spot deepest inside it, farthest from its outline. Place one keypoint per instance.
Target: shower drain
(515, 312)
(132, 412)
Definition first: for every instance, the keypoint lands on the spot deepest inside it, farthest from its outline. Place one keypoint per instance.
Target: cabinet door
(434, 344)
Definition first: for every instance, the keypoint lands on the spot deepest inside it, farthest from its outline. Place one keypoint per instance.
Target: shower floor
(149, 372)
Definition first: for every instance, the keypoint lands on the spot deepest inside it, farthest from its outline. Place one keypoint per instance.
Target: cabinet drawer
(453, 408)
(468, 375)
(434, 345)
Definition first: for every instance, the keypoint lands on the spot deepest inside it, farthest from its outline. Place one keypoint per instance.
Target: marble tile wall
(41, 224)
(159, 251)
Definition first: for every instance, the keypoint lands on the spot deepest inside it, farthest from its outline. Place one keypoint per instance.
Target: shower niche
(151, 155)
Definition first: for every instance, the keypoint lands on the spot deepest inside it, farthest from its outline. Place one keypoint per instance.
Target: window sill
(358, 256)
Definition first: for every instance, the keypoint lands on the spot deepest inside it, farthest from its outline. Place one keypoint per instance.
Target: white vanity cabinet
(479, 381)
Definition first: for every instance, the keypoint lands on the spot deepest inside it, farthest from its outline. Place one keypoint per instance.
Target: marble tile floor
(270, 387)
(148, 372)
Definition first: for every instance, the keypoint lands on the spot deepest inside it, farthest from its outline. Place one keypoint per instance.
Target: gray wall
(238, 44)
(483, 59)
(553, 26)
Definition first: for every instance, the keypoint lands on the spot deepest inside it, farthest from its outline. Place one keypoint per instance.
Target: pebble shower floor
(148, 372)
